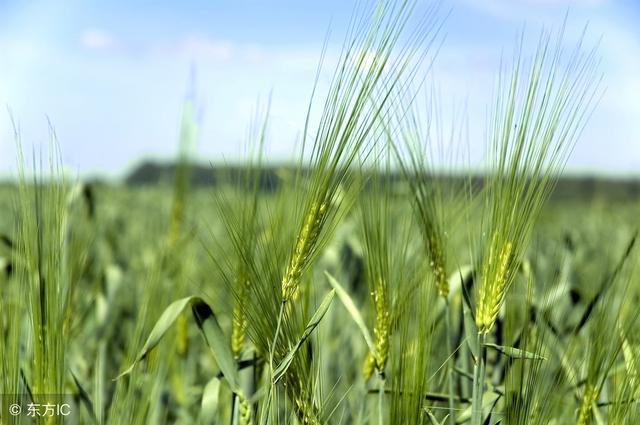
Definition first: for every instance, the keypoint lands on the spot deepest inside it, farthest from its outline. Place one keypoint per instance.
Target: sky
(110, 78)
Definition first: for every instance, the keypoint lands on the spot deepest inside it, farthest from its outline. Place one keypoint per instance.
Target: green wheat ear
(304, 247)
(310, 206)
(492, 296)
(538, 116)
(239, 317)
(435, 204)
(382, 328)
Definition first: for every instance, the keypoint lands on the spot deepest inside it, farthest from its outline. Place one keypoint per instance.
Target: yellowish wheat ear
(306, 409)
(494, 286)
(368, 366)
(239, 321)
(244, 412)
(304, 246)
(590, 396)
(382, 327)
(238, 331)
(437, 264)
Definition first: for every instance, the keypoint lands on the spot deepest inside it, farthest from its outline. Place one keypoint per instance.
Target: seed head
(244, 412)
(304, 247)
(239, 322)
(368, 366)
(590, 396)
(437, 264)
(494, 286)
(382, 327)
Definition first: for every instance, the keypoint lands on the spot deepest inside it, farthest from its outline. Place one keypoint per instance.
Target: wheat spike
(437, 264)
(368, 366)
(239, 323)
(590, 396)
(494, 287)
(304, 247)
(239, 330)
(306, 410)
(382, 327)
(244, 411)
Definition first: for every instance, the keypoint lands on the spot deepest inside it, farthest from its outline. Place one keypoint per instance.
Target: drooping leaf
(353, 311)
(489, 400)
(471, 332)
(209, 405)
(459, 281)
(313, 323)
(434, 420)
(608, 280)
(217, 341)
(515, 353)
(487, 420)
(85, 399)
(167, 318)
(210, 329)
(597, 415)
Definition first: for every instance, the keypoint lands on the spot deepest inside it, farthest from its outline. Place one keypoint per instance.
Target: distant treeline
(270, 177)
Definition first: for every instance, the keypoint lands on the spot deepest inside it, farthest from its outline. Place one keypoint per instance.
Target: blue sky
(112, 76)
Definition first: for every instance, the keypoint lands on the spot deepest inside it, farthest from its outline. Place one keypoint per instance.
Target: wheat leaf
(210, 329)
(515, 353)
(489, 401)
(313, 323)
(471, 332)
(85, 399)
(210, 397)
(353, 311)
(167, 318)
(433, 419)
(217, 342)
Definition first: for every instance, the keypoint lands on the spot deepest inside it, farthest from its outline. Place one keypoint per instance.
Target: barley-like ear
(239, 322)
(382, 327)
(188, 137)
(303, 249)
(588, 399)
(244, 411)
(494, 286)
(368, 366)
(306, 410)
(538, 116)
(438, 265)
(436, 201)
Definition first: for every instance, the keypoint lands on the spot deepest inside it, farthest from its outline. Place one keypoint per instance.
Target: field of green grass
(125, 272)
(339, 295)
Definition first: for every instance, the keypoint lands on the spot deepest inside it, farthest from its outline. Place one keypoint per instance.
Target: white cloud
(196, 46)
(97, 39)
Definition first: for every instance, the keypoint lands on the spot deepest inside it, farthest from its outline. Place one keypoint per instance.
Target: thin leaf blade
(313, 323)
(348, 303)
